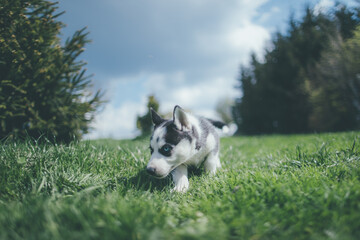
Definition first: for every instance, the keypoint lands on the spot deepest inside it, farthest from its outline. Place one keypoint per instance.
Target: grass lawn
(269, 187)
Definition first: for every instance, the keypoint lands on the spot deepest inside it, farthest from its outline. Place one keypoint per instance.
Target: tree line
(308, 79)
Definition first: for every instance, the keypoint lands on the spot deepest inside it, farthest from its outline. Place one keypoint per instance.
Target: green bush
(44, 89)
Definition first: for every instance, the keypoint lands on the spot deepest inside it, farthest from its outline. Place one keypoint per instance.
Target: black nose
(150, 170)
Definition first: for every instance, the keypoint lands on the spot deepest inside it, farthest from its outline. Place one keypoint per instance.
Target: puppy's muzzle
(151, 171)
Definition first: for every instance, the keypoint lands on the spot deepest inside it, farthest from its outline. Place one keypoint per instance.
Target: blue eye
(166, 150)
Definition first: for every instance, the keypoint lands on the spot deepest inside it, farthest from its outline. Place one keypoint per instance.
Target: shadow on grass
(143, 181)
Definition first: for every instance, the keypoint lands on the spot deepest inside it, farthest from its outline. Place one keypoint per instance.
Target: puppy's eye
(166, 150)
(151, 150)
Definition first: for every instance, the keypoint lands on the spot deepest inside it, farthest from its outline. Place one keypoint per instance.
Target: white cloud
(201, 94)
(266, 16)
(116, 122)
(323, 6)
(176, 89)
(248, 36)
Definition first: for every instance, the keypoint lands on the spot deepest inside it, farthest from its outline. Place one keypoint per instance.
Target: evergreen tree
(335, 84)
(278, 93)
(248, 119)
(347, 19)
(144, 123)
(44, 89)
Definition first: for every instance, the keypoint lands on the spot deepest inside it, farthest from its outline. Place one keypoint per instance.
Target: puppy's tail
(219, 124)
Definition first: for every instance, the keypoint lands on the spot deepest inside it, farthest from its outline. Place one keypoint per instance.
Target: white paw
(211, 172)
(211, 165)
(181, 186)
(212, 168)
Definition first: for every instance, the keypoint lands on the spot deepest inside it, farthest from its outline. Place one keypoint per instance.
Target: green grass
(269, 187)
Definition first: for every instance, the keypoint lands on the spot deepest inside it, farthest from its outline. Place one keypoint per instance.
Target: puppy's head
(170, 143)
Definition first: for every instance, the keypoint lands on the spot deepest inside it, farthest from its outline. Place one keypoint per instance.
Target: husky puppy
(180, 142)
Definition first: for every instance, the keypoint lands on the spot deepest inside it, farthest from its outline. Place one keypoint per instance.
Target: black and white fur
(183, 141)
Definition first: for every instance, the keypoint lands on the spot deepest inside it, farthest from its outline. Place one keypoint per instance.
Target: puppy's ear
(181, 119)
(156, 119)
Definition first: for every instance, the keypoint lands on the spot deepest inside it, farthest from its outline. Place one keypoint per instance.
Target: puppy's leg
(180, 178)
(212, 162)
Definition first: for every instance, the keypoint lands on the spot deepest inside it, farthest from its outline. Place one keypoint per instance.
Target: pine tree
(44, 89)
(305, 82)
(144, 123)
(335, 86)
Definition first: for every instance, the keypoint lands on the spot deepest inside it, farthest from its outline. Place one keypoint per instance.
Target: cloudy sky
(184, 52)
